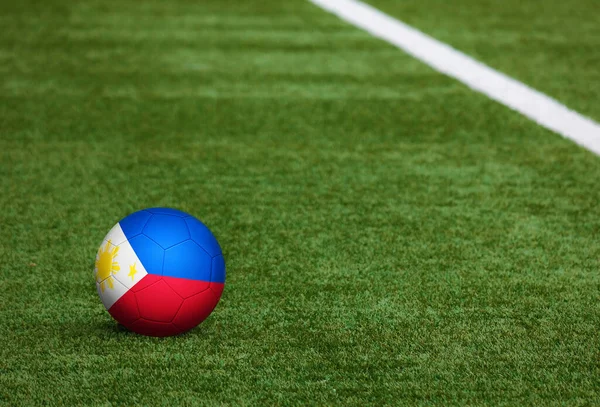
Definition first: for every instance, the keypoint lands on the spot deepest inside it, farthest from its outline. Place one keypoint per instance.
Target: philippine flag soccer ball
(159, 272)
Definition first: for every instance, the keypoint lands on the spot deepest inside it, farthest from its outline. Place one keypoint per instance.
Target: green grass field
(391, 237)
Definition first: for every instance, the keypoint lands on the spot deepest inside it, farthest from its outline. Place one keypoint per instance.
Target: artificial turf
(550, 45)
(391, 237)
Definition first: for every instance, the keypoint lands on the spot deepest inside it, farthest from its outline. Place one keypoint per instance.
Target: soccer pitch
(391, 236)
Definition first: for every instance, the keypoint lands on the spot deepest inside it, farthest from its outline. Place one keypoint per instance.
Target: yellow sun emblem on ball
(106, 266)
(132, 272)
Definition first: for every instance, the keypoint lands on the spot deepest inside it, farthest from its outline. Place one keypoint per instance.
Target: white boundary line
(533, 104)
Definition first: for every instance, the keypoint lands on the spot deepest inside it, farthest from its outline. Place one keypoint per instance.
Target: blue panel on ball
(203, 236)
(218, 269)
(168, 211)
(150, 254)
(187, 260)
(166, 230)
(133, 224)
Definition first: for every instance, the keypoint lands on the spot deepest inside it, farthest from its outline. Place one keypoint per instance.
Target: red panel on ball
(217, 288)
(186, 287)
(148, 280)
(125, 310)
(158, 302)
(195, 310)
(155, 307)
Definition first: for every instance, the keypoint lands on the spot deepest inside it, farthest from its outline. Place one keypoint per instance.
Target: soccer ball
(159, 272)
